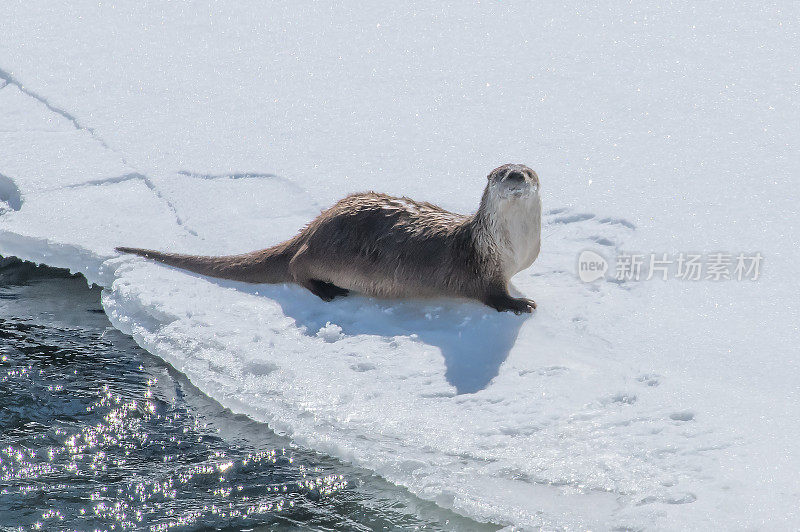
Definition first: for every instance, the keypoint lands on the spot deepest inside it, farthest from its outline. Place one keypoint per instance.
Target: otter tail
(265, 266)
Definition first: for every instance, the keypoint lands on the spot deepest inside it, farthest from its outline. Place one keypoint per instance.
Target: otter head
(509, 219)
(513, 181)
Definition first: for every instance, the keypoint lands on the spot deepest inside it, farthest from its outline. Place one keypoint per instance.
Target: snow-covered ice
(221, 127)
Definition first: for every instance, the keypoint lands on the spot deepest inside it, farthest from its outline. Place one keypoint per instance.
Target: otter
(390, 247)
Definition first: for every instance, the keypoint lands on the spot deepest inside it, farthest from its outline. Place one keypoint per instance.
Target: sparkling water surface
(97, 434)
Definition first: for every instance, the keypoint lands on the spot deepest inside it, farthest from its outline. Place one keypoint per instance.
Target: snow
(223, 127)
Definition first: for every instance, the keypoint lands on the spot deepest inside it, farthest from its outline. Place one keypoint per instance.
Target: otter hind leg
(324, 290)
(501, 301)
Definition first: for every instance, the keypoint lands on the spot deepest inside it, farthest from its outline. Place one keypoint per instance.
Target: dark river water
(97, 434)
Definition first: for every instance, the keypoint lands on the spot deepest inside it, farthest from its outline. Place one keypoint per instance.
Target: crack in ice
(8, 79)
(148, 183)
(244, 175)
(235, 175)
(11, 80)
(112, 180)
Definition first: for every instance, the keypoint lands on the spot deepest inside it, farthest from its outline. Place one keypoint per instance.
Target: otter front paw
(505, 303)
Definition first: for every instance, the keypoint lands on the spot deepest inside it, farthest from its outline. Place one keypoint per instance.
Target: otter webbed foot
(503, 302)
(324, 290)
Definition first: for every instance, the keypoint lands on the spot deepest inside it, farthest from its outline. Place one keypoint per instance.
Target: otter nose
(515, 176)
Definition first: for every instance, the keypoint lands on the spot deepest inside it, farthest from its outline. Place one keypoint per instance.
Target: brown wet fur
(381, 246)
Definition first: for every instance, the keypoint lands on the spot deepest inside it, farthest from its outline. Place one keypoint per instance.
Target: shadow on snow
(473, 339)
